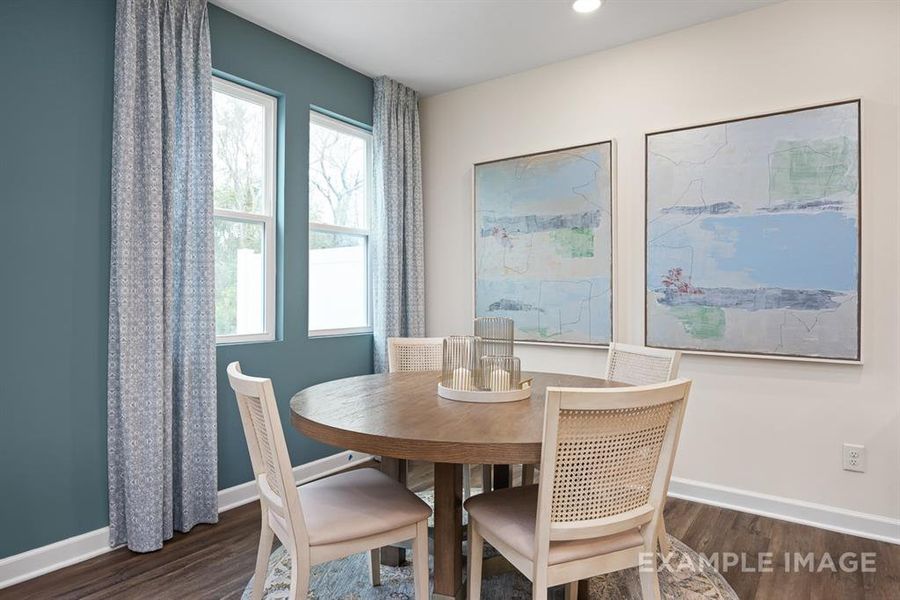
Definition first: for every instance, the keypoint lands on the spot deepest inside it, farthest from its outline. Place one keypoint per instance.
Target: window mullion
(235, 215)
(325, 228)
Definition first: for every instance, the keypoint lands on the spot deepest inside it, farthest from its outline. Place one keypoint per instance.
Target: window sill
(239, 340)
(326, 333)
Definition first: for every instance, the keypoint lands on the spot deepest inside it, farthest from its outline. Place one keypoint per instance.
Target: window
(340, 159)
(244, 193)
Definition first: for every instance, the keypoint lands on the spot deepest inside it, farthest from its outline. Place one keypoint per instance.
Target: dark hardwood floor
(215, 561)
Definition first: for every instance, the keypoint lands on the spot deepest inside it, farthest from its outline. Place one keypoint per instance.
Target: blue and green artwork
(543, 251)
(753, 235)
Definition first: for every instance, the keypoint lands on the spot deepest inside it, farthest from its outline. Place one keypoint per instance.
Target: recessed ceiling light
(586, 6)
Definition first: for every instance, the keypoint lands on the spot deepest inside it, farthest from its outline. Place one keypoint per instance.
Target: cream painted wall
(766, 426)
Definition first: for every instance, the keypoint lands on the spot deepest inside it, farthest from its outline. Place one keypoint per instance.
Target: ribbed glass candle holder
(501, 373)
(461, 366)
(497, 334)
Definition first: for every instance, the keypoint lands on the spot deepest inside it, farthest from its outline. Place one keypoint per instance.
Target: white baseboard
(33, 563)
(860, 524)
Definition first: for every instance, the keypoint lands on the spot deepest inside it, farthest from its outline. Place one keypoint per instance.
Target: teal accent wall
(56, 61)
(56, 65)
(301, 78)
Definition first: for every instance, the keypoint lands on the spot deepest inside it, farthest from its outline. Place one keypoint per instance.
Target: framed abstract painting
(753, 235)
(543, 244)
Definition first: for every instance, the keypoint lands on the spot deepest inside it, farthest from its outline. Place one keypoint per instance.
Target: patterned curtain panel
(162, 352)
(398, 301)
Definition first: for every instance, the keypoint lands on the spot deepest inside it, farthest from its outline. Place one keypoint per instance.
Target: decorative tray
(486, 396)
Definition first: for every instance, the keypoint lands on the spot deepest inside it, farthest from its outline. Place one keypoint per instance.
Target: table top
(401, 415)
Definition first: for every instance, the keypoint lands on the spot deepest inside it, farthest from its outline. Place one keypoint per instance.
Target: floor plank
(216, 561)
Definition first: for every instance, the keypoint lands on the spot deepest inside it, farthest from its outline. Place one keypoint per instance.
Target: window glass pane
(337, 177)
(240, 277)
(338, 290)
(239, 153)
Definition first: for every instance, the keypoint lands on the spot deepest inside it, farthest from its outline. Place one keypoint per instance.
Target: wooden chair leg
(527, 474)
(420, 561)
(476, 554)
(299, 589)
(266, 537)
(665, 548)
(487, 478)
(648, 575)
(396, 469)
(572, 590)
(649, 585)
(375, 567)
(539, 583)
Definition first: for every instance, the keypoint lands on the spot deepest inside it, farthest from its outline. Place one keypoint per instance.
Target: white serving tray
(485, 397)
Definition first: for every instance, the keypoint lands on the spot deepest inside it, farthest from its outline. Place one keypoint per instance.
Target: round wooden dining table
(399, 416)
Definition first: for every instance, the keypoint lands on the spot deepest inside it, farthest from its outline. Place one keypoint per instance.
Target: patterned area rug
(690, 578)
(686, 576)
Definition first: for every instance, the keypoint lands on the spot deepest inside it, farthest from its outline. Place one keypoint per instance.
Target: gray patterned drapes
(162, 352)
(398, 253)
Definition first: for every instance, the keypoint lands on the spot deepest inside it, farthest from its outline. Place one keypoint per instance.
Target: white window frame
(267, 218)
(331, 123)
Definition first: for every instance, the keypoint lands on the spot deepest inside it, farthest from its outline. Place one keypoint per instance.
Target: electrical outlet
(855, 458)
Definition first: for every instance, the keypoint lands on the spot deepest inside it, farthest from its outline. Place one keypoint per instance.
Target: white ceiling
(439, 45)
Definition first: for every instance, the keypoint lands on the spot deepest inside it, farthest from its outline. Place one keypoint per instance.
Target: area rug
(689, 578)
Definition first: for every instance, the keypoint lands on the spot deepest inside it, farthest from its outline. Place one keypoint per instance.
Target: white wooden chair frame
(646, 517)
(669, 360)
(282, 513)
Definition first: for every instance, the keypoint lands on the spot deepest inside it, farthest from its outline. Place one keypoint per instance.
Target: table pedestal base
(448, 488)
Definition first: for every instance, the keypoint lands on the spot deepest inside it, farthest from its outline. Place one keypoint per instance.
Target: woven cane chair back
(607, 457)
(637, 365)
(415, 354)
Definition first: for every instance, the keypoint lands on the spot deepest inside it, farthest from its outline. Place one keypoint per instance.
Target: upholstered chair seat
(357, 504)
(509, 515)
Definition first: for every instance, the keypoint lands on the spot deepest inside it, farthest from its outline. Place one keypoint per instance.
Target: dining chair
(415, 354)
(634, 365)
(639, 365)
(354, 511)
(422, 354)
(605, 466)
